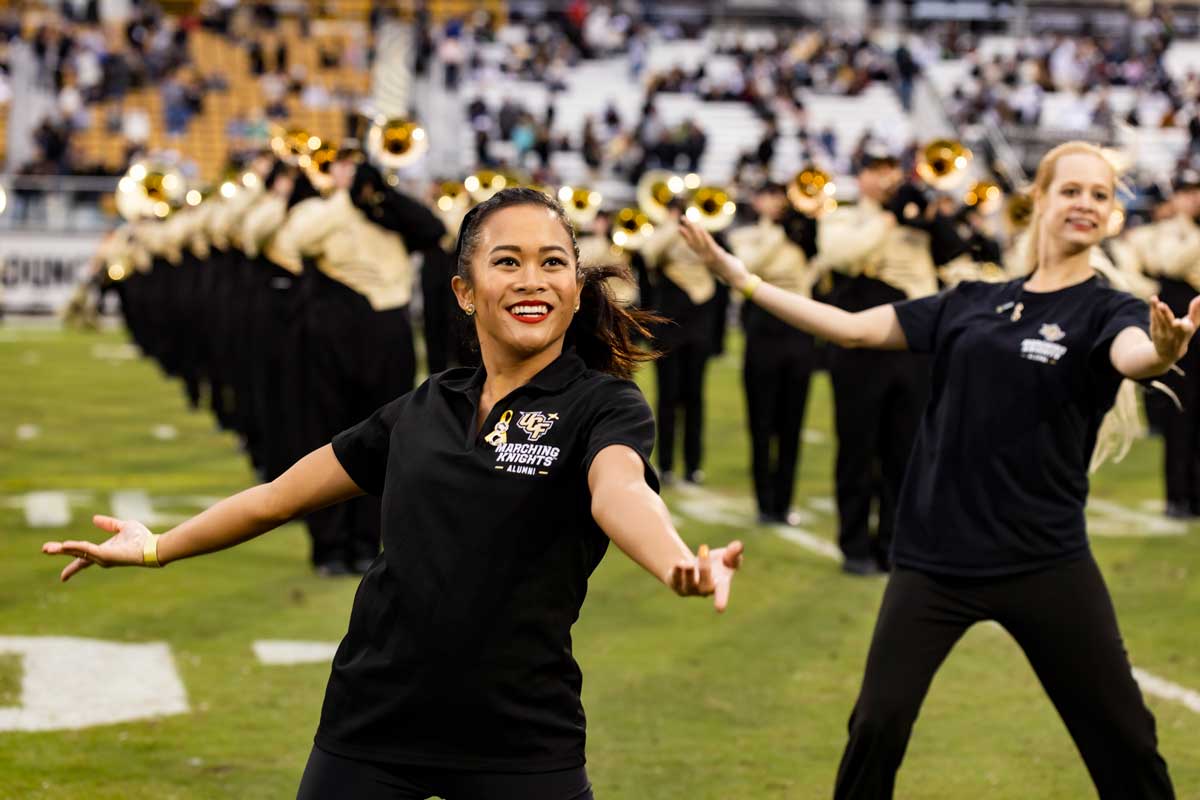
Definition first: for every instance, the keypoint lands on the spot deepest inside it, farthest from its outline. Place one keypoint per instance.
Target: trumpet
(943, 163)
(396, 142)
(581, 204)
(712, 208)
(149, 190)
(1018, 211)
(631, 227)
(811, 191)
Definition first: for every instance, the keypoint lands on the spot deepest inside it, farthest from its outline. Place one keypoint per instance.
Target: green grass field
(681, 703)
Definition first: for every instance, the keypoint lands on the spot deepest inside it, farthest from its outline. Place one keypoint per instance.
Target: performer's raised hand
(720, 262)
(710, 572)
(1170, 334)
(125, 548)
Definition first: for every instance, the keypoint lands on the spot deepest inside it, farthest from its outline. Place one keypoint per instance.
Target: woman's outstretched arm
(876, 328)
(1137, 356)
(313, 482)
(636, 519)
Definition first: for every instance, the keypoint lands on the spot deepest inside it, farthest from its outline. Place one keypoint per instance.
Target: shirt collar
(553, 377)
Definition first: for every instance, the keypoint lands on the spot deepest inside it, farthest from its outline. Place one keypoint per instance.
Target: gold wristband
(751, 284)
(150, 552)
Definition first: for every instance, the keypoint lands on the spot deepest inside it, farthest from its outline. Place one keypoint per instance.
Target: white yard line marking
(115, 352)
(44, 509)
(280, 651)
(70, 683)
(164, 432)
(1107, 518)
(1166, 690)
(28, 432)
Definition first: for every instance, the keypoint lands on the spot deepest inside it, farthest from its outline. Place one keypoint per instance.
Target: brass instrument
(984, 196)
(811, 191)
(631, 227)
(294, 146)
(149, 190)
(1018, 211)
(396, 142)
(711, 207)
(942, 163)
(485, 183)
(657, 189)
(320, 163)
(581, 204)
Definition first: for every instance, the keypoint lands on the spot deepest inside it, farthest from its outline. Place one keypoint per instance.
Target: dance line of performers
(464, 628)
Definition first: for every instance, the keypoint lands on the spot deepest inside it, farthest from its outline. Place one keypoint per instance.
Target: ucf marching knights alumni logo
(1051, 332)
(536, 424)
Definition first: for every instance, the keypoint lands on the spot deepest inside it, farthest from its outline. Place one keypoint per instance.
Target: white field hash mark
(706, 506)
(69, 683)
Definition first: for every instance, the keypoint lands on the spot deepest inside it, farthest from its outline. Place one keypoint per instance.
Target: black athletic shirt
(998, 480)
(458, 653)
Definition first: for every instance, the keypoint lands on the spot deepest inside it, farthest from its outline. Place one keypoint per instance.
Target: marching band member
(880, 250)
(686, 296)
(779, 358)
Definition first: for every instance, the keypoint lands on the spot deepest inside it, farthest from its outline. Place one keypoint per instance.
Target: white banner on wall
(38, 271)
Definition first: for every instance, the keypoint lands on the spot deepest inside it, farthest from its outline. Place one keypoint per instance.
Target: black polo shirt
(998, 480)
(458, 653)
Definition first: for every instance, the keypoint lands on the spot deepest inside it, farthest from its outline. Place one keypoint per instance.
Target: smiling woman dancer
(501, 488)
(990, 524)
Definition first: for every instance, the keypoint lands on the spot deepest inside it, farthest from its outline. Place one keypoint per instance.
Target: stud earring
(470, 309)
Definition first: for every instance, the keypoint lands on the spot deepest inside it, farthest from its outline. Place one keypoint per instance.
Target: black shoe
(862, 567)
(360, 565)
(332, 569)
(695, 477)
(1179, 510)
(768, 518)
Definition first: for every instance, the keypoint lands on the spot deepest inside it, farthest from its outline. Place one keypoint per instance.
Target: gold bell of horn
(396, 142)
(712, 208)
(656, 190)
(984, 196)
(149, 190)
(581, 204)
(811, 191)
(485, 183)
(294, 146)
(942, 163)
(631, 227)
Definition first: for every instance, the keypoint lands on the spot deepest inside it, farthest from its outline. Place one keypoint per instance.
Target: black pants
(330, 776)
(358, 359)
(1062, 617)
(1181, 429)
(680, 380)
(776, 373)
(879, 398)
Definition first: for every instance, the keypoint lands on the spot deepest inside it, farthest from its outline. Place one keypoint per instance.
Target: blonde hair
(1123, 423)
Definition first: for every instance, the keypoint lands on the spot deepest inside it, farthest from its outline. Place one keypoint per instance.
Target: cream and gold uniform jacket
(224, 224)
(260, 224)
(865, 240)
(667, 252)
(348, 248)
(767, 251)
(599, 250)
(1169, 249)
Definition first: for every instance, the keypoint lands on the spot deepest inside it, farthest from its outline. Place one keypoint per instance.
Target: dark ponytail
(604, 333)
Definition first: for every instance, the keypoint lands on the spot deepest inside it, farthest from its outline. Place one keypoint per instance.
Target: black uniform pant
(1063, 619)
(327, 776)
(358, 359)
(776, 373)
(1181, 429)
(680, 381)
(879, 398)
